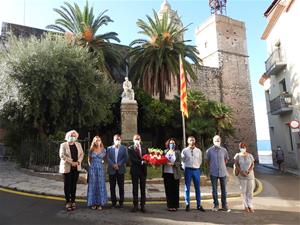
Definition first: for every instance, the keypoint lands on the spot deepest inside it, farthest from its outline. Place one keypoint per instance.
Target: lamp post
(265, 81)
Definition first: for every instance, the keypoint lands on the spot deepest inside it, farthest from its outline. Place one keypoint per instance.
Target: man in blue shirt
(216, 159)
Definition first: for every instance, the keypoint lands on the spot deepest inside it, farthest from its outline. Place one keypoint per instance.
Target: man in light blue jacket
(117, 157)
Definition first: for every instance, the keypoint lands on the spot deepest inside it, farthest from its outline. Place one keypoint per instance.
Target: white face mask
(136, 142)
(243, 150)
(72, 139)
(117, 142)
(216, 143)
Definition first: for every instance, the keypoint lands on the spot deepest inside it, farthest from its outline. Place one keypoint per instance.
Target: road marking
(257, 192)
(260, 187)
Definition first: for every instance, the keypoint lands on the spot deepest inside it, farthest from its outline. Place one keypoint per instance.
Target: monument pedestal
(129, 112)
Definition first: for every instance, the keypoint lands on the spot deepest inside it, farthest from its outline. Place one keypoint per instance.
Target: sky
(125, 13)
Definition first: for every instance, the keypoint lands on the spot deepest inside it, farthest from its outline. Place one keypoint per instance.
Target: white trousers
(247, 187)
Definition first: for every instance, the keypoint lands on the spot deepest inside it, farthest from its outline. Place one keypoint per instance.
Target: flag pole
(183, 130)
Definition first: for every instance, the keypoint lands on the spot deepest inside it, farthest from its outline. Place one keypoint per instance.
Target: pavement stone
(19, 179)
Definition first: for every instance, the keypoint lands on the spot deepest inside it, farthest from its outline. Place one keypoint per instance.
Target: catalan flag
(183, 94)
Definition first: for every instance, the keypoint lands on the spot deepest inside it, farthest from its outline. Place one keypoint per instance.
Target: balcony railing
(275, 63)
(281, 104)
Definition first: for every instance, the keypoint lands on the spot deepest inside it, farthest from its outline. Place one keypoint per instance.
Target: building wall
(280, 132)
(222, 43)
(208, 82)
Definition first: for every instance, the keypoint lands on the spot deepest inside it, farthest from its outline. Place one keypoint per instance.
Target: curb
(42, 195)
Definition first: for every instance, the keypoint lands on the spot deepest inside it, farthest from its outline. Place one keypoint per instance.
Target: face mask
(117, 142)
(72, 139)
(243, 150)
(216, 143)
(136, 142)
(172, 146)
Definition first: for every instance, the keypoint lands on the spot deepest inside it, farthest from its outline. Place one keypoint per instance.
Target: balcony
(275, 63)
(281, 104)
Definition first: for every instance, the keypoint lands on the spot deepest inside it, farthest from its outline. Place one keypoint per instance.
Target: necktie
(138, 151)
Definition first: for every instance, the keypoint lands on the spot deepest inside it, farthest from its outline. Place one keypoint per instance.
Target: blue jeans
(214, 183)
(189, 175)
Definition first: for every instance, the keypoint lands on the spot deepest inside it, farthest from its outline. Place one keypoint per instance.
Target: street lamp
(265, 81)
(288, 99)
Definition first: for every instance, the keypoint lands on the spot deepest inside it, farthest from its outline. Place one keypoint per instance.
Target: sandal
(93, 207)
(68, 206)
(251, 210)
(99, 208)
(73, 205)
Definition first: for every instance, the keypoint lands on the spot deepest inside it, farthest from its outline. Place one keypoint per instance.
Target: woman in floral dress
(96, 195)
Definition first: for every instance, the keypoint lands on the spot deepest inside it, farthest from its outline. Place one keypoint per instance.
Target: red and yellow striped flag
(183, 94)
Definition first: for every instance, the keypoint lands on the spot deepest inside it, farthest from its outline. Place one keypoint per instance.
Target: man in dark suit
(138, 171)
(117, 157)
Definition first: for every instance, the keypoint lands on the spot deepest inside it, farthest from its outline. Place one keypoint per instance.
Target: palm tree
(208, 118)
(154, 63)
(223, 117)
(82, 28)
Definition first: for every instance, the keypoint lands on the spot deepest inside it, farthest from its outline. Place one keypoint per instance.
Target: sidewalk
(13, 178)
(289, 170)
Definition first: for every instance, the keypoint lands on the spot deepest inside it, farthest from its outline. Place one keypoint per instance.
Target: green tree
(81, 27)
(154, 63)
(58, 85)
(154, 116)
(208, 118)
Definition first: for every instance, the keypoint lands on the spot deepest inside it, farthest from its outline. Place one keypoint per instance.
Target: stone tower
(165, 7)
(222, 45)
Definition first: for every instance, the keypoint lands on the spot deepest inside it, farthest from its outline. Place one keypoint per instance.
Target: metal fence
(44, 156)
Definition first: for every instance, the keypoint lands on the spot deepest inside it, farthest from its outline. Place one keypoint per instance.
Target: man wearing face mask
(216, 159)
(117, 158)
(192, 160)
(138, 171)
(279, 158)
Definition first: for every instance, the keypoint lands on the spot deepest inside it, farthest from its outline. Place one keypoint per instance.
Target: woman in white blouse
(171, 174)
(244, 163)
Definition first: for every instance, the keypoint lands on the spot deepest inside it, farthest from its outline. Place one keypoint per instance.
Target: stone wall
(208, 82)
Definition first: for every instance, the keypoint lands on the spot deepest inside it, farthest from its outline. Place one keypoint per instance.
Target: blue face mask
(172, 146)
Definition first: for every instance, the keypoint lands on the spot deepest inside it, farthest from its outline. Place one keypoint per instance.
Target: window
(291, 138)
(282, 86)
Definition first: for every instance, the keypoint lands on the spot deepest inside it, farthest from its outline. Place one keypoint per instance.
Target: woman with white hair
(71, 156)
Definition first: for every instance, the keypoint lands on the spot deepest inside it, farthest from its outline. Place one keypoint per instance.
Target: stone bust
(128, 93)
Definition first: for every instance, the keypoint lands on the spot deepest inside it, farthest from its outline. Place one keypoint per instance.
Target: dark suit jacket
(136, 162)
(122, 158)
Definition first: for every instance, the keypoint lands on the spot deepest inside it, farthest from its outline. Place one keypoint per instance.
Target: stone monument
(129, 112)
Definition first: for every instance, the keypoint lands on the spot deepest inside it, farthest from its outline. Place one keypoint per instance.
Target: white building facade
(282, 77)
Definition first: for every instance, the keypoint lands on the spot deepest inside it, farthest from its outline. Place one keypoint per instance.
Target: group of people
(116, 156)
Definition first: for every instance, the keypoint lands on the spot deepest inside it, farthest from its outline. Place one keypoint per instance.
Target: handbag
(236, 171)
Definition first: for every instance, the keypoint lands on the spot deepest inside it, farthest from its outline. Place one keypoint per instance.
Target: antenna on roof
(218, 7)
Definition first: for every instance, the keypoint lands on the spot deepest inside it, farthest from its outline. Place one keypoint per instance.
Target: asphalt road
(279, 203)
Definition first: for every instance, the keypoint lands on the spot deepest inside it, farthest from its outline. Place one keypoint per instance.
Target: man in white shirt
(192, 159)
